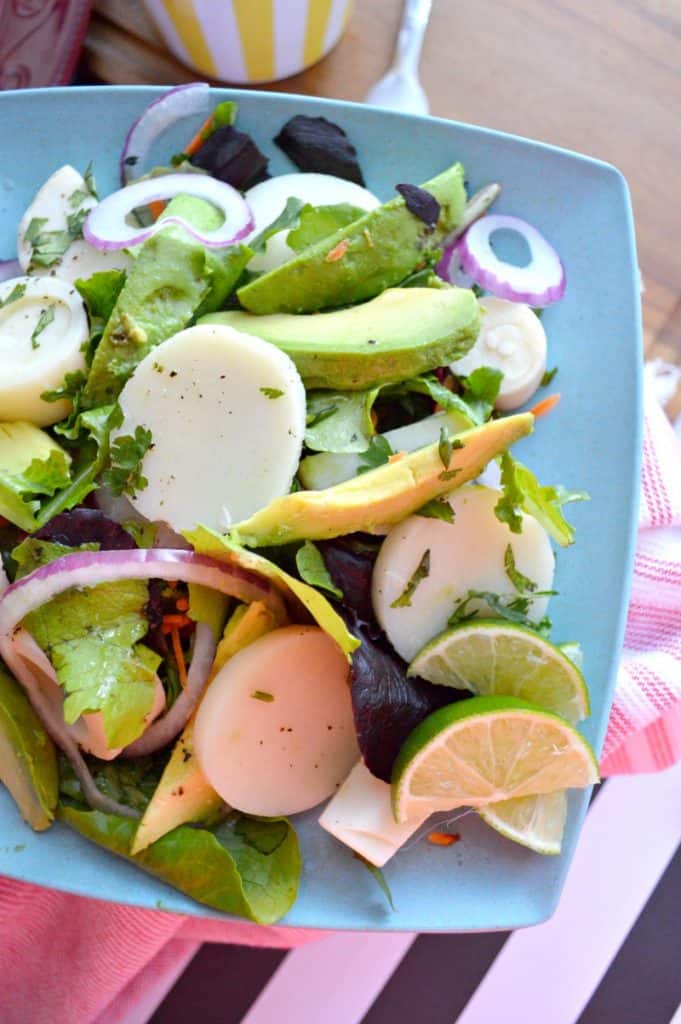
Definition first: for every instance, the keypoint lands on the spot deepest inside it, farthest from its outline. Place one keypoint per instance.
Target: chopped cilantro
(90, 182)
(437, 508)
(124, 475)
(522, 492)
(377, 454)
(421, 572)
(70, 387)
(513, 608)
(44, 320)
(444, 448)
(34, 228)
(17, 293)
(378, 875)
(548, 377)
(272, 392)
(520, 582)
(75, 221)
(288, 218)
(262, 695)
(480, 391)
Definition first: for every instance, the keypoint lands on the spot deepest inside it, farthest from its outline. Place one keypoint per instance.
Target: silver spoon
(400, 88)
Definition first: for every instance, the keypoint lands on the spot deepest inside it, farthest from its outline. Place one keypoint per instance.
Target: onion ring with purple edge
(539, 283)
(176, 104)
(106, 228)
(449, 266)
(165, 729)
(89, 568)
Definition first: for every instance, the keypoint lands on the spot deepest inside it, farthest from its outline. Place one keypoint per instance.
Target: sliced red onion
(449, 268)
(539, 283)
(106, 227)
(165, 729)
(89, 568)
(54, 724)
(174, 105)
(10, 269)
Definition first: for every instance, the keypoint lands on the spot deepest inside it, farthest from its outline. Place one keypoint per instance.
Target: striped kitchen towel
(65, 959)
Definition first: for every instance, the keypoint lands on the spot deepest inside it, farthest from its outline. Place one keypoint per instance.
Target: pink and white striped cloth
(65, 958)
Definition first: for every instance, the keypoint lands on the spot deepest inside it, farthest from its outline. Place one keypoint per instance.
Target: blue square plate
(591, 441)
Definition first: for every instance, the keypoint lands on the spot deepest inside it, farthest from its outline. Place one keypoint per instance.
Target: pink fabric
(644, 732)
(117, 962)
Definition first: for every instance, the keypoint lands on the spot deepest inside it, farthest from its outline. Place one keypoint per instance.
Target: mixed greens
(254, 462)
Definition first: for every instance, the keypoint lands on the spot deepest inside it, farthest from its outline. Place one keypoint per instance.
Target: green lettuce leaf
(317, 222)
(91, 635)
(312, 568)
(32, 465)
(522, 492)
(243, 866)
(288, 218)
(304, 597)
(339, 421)
(99, 293)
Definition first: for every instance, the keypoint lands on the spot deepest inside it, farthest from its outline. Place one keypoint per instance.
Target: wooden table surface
(603, 78)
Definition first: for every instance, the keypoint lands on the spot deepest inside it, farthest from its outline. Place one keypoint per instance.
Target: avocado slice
(362, 259)
(28, 761)
(399, 334)
(385, 495)
(183, 793)
(173, 279)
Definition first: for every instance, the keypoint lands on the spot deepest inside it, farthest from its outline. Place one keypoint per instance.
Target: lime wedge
(491, 656)
(484, 750)
(533, 821)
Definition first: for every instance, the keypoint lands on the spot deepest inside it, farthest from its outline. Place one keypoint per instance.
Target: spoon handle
(415, 17)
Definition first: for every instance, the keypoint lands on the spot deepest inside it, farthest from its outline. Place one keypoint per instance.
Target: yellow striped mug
(250, 41)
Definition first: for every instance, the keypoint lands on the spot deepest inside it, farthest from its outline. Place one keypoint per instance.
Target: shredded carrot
(182, 604)
(171, 622)
(396, 456)
(199, 138)
(179, 656)
(338, 251)
(545, 406)
(156, 207)
(443, 838)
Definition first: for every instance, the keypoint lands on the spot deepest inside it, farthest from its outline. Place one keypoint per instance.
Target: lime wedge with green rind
(484, 750)
(493, 656)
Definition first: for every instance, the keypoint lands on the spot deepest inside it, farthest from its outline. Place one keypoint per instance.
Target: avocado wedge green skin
(28, 761)
(401, 333)
(377, 251)
(381, 496)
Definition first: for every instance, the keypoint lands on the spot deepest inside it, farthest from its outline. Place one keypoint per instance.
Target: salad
(265, 548)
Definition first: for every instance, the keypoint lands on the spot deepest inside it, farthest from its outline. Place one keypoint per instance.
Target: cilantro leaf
(520, 582)
(444, 448)
(513, 608)
(312, 569)
(437, 508)
(44, 320)
(91, 635)
(378, 876)
(548, 377)
(480, 391)
(271, 392)
(522, 492)
(377, 454)
(421, 572)
(90, 183)
(17, 293)
(124, 474)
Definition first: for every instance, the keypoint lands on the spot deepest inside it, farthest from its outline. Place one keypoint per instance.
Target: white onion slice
(539, 283)
(179, 102)
(106, 227)
(89, 568)
(165, 729)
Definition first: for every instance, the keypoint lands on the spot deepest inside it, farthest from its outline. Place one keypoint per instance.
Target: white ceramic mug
(250, 41)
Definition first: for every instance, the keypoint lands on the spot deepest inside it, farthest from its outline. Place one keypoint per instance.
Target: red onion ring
(10, 269)
(89, 568)
(449, 267)
(56, 727)
(539, 283)
(165, 729)
(174, 105)
(105, 227)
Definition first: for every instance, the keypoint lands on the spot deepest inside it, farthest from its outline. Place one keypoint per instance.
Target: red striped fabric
(64, 958)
